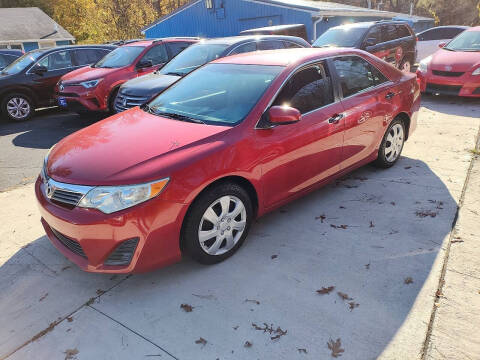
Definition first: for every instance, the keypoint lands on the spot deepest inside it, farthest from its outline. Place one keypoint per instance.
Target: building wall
(228, 18)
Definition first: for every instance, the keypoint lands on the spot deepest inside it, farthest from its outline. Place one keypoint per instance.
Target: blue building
(218, 18)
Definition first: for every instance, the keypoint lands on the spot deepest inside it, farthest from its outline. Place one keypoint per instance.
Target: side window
(450, 33)
(402, 31)
(86, 56)
(101, 53)
(157, 55)
(3, 61)
(270, 45)
(389, 33)
(248, 47)
(307, 90)
(291, 45)
(177, 47)
(57, 61)
(356, 74)
(375, 35)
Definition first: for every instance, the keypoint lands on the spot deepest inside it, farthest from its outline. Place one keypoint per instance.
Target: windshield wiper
(179, 117)
(174, 73)
(148, 108)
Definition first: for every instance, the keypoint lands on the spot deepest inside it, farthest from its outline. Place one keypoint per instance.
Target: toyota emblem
(61, 87)
(49, 190)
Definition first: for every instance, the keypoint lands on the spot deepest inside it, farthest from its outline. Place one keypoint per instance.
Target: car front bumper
(88, 237)
(80, 99)
(466, 85)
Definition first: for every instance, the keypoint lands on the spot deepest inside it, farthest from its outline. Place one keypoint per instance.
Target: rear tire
(392, 145)
(17, 107)
(217, 223)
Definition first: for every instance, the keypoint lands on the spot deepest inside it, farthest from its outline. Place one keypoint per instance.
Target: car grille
(447, 73)
(70, 244)
(443, 89)
(124, 101)
(123, 254)
(66, 197)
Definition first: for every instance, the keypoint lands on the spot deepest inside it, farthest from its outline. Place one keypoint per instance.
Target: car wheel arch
(406, 122)
(19, 90)
(246, 184)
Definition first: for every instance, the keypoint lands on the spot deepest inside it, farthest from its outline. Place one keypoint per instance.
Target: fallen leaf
(235, 327)
(426, 213)
(69, 319)
(321, 217)
(70, 353)
(408, 280)
(43, 297)
(371, 224)
(278, 332)
(407, 167)
(344, 296)
(247, 344)
(302, 351)
(325, 290)
(100, 292)
(186, 307)
(201, 341)
(335, 347)
(353, 305)
(66, 267)
(341, 207)
(273, 257)
(339, 226)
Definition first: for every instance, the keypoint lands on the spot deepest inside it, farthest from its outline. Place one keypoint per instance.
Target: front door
(300, 155)
(57, 64)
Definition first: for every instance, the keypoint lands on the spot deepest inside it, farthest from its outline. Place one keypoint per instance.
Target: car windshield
(192, 58)
(466, 41)
(120, 57)
(347, 36)
(217, 94)
(22, 62)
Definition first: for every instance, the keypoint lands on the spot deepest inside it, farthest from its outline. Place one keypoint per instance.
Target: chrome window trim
(244, 43)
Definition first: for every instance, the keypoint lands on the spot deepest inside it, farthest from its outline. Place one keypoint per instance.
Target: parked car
(8, 56)
(392, 41)
(94, 88)
(455, 68)
(298, 30)
(231, 141)
(140, 90)
(428, 40)
(29, 82)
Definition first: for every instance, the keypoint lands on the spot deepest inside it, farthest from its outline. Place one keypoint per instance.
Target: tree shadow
(452, 105)
(373, 235)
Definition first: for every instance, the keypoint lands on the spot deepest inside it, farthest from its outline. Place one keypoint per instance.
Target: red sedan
(455, 68)
(189, 172)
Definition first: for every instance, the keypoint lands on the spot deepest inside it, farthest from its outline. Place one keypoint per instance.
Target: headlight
(90, 84)
(476, 71)
(423, 66)
(109, 199)
(43, 172)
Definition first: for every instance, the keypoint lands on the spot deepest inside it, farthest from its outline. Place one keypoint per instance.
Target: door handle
(335, 119)
(389, 95)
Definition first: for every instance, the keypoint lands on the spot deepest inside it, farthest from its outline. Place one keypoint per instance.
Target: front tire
(17, 107)
(218, 223)
(406, 65)
(392, 145)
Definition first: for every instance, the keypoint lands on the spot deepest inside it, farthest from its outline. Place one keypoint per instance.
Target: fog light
(123, 253)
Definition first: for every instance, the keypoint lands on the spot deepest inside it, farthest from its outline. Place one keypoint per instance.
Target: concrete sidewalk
(385, 265)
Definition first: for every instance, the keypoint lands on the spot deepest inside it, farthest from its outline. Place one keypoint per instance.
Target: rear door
(58, 63)
(366, 105)
(374, 43)
(392, 45)
(158, 56)
(301, 155)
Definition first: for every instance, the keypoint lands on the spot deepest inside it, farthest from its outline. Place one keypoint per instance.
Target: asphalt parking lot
(350, 270)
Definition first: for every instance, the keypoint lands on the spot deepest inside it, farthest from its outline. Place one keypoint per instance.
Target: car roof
(368, 24)
(446, 27)
(148, 42)
(11, 51)
(474, 28)
(66, 47)
(284, 57)
(234, 40)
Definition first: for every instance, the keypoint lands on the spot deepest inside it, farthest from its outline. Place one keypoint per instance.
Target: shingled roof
(31, 23)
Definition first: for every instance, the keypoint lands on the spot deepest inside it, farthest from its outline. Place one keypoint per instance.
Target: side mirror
(40, 70)
(144, 64)
(283, 115)
(442, 44)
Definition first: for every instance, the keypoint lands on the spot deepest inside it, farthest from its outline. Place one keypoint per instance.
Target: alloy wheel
(406, 67)
(222, 225)
(18, 108)
(394, 143)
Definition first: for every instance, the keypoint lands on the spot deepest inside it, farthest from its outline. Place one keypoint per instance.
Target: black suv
(138, 91)
(29, 82)
(8, 56)
(393, 41)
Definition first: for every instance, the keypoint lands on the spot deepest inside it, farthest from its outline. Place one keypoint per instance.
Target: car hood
(459, 61)
(87, 73)
(130, 148)
(148, 85)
